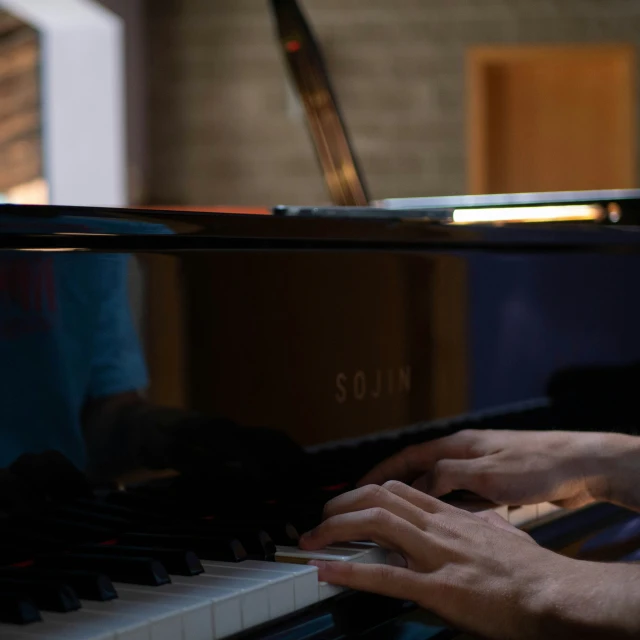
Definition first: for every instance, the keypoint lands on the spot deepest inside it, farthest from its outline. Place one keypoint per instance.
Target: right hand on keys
(571, 469)
(476, 572)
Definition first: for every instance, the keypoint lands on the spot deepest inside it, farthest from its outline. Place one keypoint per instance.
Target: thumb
(452, 475)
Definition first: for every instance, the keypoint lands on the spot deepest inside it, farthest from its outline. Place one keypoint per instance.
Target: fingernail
(320, 564)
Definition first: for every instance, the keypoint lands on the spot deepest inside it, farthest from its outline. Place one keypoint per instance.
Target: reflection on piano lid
(602, 207)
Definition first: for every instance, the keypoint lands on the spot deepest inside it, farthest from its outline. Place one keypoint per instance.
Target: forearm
(595, 601)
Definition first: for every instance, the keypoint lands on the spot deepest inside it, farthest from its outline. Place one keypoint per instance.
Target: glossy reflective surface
(325, 328)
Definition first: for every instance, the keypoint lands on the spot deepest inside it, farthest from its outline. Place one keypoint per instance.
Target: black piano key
(280, 531)
(208, 548)
(49, 595)
(257, 543)
(139, 570)
(176, 561)
(85, 517)
(17, 608)
(104, 508)
(88, 585)
(59, 530)
(52, 474)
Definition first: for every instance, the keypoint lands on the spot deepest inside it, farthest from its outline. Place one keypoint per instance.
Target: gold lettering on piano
(372, 384)
(359, 385)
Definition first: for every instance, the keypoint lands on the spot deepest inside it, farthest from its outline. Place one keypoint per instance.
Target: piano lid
(301, 51)
(102, 229)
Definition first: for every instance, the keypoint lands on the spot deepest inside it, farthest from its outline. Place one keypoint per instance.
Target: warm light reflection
(545, 213)
(34, 192)
(53, 249)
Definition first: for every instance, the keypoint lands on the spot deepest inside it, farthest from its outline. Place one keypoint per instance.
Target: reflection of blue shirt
(66, 336)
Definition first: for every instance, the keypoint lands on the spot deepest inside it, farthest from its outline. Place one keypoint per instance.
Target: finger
(376, 525)
(453, 475)
(415, 497)
(407, 464)
(394, 582)
(372, 496)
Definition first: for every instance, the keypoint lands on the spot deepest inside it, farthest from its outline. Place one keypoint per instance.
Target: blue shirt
(66, 336)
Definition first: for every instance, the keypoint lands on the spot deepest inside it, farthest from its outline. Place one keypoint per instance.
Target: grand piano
(356, 329)
(329, 328)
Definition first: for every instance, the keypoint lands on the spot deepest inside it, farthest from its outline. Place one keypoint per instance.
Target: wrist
(613, 469)
(582, 600)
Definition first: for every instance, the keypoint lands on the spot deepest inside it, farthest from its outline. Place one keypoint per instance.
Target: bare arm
(512, 467)
(476, 571)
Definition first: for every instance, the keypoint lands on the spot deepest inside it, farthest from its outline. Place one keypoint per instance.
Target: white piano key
(225, 604)
(521, 516)
(52, 631)
(361, 552)
(83, 624)
(326, 590)
(546, 509)
(305, 577)
(254, 598)
(78, 625)
(370, 554)
(159, 625)
(167, 616)
(279, 586)
(502, 511)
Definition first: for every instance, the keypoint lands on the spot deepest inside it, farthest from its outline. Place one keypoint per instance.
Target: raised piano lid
(302, 54)
(338, 327)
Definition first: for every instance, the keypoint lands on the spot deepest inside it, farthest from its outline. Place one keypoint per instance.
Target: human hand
(202, 446)
(473, 570)
(571, 469)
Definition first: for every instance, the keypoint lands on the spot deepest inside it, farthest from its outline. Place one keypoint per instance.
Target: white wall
(83, 99)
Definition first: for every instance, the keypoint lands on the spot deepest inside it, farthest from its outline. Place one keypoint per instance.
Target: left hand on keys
(473, 570)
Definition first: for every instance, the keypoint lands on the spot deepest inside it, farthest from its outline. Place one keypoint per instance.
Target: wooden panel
(551, 118)
(315, 343)
(164, 334)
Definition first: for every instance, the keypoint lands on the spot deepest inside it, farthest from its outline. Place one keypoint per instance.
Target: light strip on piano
(549, 213)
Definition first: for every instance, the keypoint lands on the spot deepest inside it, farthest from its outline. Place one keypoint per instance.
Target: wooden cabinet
(551, 118)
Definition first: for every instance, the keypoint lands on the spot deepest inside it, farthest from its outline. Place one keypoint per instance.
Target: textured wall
(219, 124)
(20, 124)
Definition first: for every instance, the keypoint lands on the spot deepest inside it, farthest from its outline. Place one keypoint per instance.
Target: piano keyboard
(222, 600)
(153, 562)
(129, 566)
(227, 598)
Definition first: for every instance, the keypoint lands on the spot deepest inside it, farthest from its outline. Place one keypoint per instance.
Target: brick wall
(220, 124)
(20, 122)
